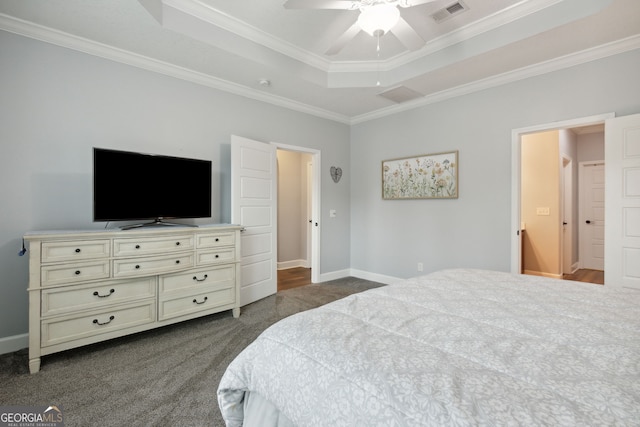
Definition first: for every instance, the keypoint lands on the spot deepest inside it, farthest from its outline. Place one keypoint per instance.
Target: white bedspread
(456, 347)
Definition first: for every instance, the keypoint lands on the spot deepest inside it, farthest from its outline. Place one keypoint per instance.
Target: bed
(455, 347)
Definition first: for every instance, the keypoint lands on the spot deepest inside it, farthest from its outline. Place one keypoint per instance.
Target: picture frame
(428, 176)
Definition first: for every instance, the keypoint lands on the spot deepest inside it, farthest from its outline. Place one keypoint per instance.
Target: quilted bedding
(456, 347)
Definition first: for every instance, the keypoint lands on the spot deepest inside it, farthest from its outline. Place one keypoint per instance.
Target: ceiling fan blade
(411, 3)
(345, 38)
(322, 4)
(407, 35)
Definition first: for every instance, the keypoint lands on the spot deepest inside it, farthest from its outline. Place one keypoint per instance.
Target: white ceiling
(234, 45)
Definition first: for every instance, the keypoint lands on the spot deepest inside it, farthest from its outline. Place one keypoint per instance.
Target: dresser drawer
(75, 250)
(195, 280)
(132, 267)
(62, 329)
(205, 299)
(89, 286)
(61, 274)
(215, 240)
(215, 256)
(94, 296)
(151, 245)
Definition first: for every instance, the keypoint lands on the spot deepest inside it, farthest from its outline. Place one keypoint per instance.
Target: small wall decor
(430, 176)
(336, 173)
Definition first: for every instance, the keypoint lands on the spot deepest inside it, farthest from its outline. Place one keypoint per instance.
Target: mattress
(455, 347)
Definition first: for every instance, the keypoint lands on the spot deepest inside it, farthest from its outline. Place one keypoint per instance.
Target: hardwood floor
(300, 276)
(293, 278)
(586, 275)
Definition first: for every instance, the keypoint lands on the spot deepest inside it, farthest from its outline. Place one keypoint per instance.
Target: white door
(592, 216)
(254, 206)
(622, 151)
(309, 218)
(567, 215)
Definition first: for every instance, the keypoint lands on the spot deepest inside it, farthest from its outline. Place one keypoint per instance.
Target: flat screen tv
(136, 186)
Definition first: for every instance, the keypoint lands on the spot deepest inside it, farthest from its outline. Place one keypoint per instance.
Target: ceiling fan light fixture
(378, 18)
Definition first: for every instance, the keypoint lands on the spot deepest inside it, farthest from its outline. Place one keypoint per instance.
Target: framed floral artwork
(429, 176)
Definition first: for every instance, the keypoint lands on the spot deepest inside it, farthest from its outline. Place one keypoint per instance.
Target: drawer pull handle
(177, 243)
(96, 293)
(137, 246)
(177, 261)
(97, 322)
(77, 250)
(137, 267)
(217, 239)
(77, 272)
(203, 301)
(217, 256)
(200, 280)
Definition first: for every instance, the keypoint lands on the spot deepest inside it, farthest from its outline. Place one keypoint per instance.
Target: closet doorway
(298, 216)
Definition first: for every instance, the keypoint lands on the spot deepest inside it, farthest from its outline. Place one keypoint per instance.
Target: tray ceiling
(259, 49)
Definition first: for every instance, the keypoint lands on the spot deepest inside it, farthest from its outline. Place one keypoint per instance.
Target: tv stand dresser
(91, 286)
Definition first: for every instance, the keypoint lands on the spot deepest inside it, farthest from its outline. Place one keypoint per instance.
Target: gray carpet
(165, 377)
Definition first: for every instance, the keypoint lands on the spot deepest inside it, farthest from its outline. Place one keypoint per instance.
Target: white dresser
(90, 286)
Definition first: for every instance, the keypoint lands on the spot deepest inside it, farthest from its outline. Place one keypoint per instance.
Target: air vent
(400, 94)
(449, 11)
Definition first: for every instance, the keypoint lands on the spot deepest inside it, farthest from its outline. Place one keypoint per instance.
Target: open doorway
(546, 204)
(254, 200)
(298, 201)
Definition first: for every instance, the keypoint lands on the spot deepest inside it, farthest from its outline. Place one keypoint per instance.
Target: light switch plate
(542, 211)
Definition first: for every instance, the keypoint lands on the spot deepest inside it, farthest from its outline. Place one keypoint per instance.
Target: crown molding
(207, 13)
(338, 72)
(491, 22)
(518, 22)
(202, 11)
(59, 38)
(66, 40)
(556, 64)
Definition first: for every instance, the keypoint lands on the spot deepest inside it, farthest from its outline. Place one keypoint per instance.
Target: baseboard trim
(339, 274)
(14, 343)
(360, 274)
(285, 265)
(575, 267)
(540, 273)
(374, 277)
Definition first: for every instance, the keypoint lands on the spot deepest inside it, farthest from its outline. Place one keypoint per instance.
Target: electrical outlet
(420, 266)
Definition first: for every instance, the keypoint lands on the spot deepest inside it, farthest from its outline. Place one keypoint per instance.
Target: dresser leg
(236, 312)
(34, 365)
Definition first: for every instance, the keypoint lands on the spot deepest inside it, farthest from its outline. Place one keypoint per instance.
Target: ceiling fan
(377, 17)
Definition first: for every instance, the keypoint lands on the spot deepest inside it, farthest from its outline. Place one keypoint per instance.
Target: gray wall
(57, 104)
(389, 237)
